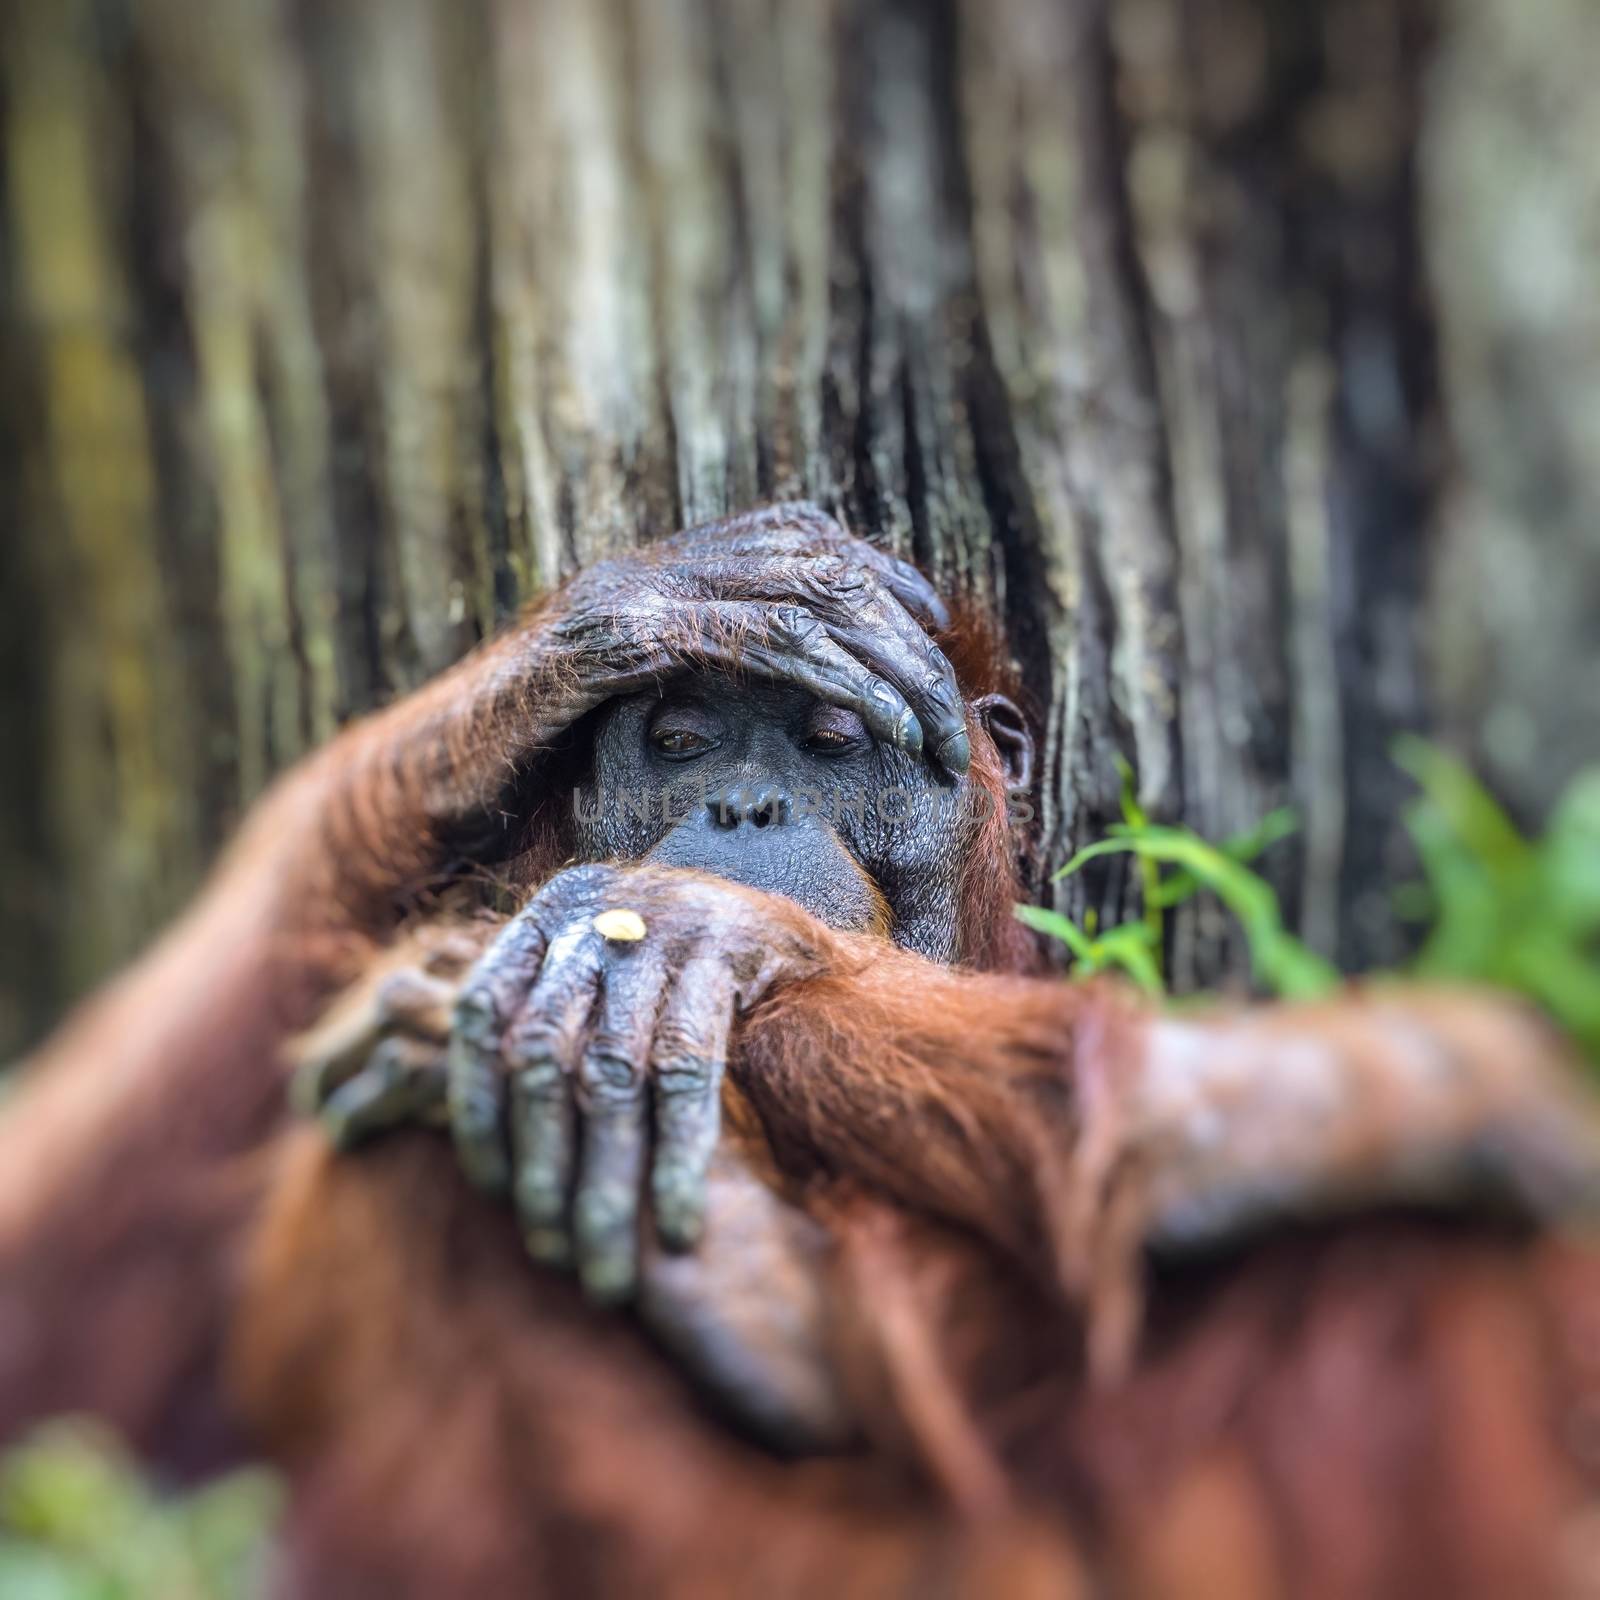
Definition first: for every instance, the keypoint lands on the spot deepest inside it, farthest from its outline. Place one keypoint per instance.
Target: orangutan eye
(833, 731)
(679, 743)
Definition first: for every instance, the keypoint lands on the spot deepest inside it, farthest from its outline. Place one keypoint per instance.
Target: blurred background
(1242, 356)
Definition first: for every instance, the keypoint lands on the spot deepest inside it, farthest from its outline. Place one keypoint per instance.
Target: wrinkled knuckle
(536, 1045)
(684, 1074)
(677, 1041)
(570, 884)
(474, 1017)
(474, 1106)
(671, 1174)
(834, 571)
(939, 691)
(389, 1059)
(711, 901)
(538, 1076)
(682, 1049)
(795, 627)
(845, 579)
(609, 1076)
(676, 1190)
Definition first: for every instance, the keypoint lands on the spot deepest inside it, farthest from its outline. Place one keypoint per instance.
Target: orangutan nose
(757, 808)
(761, 835)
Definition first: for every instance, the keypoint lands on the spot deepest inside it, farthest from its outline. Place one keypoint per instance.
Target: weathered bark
(344, 327)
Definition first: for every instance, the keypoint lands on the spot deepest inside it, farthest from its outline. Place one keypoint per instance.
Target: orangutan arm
(1061, 1120)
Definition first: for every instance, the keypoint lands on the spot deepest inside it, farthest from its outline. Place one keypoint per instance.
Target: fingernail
(337, 1129)
(607, 1279)
(679, 1223)
(550, 1247)
(490, 1172)
(955, 754)
(305, 1094)
(681, 1234)
(909, 733)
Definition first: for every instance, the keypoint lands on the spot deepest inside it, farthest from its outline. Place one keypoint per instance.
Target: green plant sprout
(1516, 913)
(1502, 910)
(1175, 864)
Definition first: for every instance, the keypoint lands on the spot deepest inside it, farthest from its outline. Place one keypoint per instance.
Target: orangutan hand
(784, 593)
(589, 1040)
(746, 1317)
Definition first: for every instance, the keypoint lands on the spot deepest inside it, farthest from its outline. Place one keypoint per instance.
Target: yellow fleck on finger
(621, 927)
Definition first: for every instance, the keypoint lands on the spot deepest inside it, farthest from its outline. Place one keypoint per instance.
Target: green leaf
(1569, 859)
(1280, 961)
(1058, 927)
(1129, 947)
(1132, 812)
(1503, 910)
(1516, 913)
(1468, 809)
(78, 1522)
(1242, 847)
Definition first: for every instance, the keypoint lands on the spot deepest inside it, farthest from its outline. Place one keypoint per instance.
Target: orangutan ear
(1008, 728)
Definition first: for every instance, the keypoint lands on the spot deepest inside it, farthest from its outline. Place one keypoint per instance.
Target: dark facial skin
(767, 786)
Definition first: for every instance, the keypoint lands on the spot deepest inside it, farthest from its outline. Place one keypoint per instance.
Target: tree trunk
(1240, 354)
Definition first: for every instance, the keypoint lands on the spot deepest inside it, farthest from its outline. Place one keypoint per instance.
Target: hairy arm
(124, 1156)
(1071, 1126)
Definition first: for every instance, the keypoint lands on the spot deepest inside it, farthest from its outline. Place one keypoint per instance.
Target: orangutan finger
(317, 1078)
(881, 634)
(915, 593)
(688, 1059)
(404, 1081)
(337, 1049)
(493, 989)
(543, 1051)
(858, 606)
(605, 1216)
(611, 1094)
(789, 643)
(777, 551)
(404, 1000)
(411, 1000)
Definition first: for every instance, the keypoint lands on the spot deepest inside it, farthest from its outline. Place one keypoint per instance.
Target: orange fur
(1362, 1410)
(1383, 1408)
